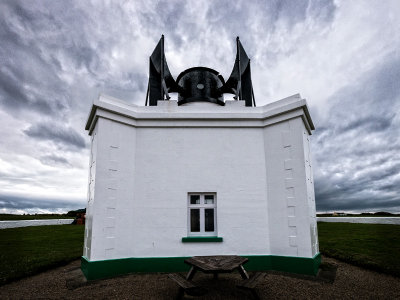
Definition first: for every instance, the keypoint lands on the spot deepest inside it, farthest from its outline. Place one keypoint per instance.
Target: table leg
(181, 293)
(191, 273)
(243, 272)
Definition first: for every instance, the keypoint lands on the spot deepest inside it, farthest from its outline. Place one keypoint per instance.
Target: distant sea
(367, 220)
(25, 223)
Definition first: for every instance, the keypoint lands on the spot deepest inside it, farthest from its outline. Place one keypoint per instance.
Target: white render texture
(145, 160)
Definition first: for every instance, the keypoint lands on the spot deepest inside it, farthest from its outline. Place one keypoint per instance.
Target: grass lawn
(374, 246)
(29, 250)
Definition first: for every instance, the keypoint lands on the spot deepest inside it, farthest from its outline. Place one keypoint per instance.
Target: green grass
(29, 250)
(11, 217)
(373, 246)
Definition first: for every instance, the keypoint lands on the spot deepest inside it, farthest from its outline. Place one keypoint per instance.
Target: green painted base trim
(202, 239)
(114, 267)
(290, 264)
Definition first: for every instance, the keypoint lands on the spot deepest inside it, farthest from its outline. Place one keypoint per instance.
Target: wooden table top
(224, 263)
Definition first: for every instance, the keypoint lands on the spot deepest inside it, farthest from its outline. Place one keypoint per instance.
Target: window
(202, 217)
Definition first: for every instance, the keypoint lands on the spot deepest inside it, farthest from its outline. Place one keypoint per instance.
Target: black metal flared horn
(161, 81)
(239, 83)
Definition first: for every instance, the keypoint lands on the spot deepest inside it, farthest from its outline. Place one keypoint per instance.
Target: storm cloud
(54, 160)
(18, 204)
(56, 57)
(56, 133)
(357, 151)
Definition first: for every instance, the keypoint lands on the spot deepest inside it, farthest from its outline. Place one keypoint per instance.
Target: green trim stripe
(114, 267)
(290, 264)
(202, 239)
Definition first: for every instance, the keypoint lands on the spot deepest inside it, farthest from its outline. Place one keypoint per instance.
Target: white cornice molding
(169, 114)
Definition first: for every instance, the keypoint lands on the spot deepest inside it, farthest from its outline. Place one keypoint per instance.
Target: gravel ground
(351, 283)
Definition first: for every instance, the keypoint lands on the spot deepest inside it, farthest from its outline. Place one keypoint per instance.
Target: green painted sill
(202, 239)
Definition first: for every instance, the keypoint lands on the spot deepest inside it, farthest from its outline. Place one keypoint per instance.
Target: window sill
(202, 239)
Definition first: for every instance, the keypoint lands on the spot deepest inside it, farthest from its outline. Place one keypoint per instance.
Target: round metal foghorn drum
(200, 84)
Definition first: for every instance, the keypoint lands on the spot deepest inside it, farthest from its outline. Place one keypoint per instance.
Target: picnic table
(216, 265)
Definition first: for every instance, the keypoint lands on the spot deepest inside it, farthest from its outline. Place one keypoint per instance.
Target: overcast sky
(56, 57)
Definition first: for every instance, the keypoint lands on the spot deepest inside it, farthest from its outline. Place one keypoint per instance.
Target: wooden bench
(251, 283)
(186, 286)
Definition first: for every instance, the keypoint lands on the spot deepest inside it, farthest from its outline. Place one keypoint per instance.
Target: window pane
(195, 220)
(209, 219)
(194, 199)
(209, 199)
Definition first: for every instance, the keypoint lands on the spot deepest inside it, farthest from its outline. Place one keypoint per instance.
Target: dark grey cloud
(15, 97)
(46, 47)
(28, 75)
(371, 124)
(54, 160)
(357, 147)
(58, 134)
(11, 202)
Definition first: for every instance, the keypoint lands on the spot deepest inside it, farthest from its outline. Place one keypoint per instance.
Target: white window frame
(202, 206)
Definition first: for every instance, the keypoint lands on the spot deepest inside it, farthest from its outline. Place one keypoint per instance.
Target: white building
(169, 182)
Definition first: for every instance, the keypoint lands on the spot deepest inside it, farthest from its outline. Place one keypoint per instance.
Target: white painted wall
(145, 160)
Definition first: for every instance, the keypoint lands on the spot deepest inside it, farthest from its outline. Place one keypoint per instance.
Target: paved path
(351, 283)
